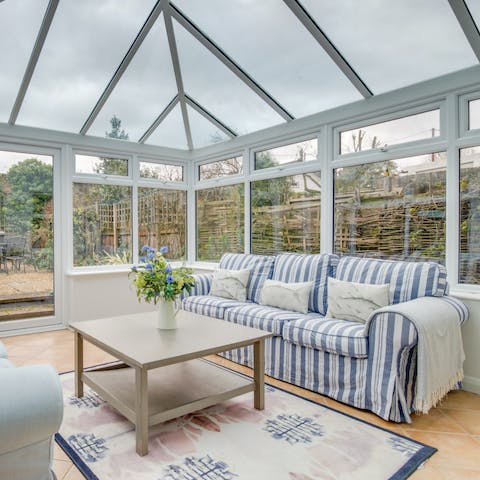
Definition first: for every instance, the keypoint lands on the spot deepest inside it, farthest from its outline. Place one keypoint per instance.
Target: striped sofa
(370, 366)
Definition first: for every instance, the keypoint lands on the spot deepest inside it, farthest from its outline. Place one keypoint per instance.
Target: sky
(7, 159)
(388, 47)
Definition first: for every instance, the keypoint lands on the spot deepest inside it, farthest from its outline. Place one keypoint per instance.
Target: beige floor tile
(61, 467)
(74, 474)
(59, 454)
(435, 421)
(461, 399)
(468, 419)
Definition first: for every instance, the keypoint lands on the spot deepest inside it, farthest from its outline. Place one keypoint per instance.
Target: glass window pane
(401, 130)
(293, 153)
(220, 221)
(162, 216)
(222, 168)
(85, 45)
(286, 214)
(26, 235)
(474, 7)
(102, 224)
(203, 131)
(397, 44)
(474, 114)
(392, 209)
(101, 165)
(145, 89)
(218, 90)
(469, 265)
(268, 41)
(16, 45)
(161, 171)
(171, 132)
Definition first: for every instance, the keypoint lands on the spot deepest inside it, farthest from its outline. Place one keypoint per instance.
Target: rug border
(402, 473)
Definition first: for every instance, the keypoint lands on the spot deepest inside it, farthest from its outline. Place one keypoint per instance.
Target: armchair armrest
(203, 282)
(31, 405)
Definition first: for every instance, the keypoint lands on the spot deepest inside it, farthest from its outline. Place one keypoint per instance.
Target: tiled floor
(453, 428)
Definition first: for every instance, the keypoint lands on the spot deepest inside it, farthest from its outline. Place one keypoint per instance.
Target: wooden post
(259, 374)
(141, 409)
(78, 351)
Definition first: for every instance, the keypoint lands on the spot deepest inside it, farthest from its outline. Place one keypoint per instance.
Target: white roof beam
(467, 23)
(317, 33)
(186, 23)
(32, 62)
(152, 17)
(159, 119)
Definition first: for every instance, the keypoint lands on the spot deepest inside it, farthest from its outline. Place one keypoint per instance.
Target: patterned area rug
(292, 439)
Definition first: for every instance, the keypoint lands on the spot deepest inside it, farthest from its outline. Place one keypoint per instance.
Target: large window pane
(294, 153)
(469, 271)
(401, 130)
(286, 214)
(220, 221)
(162, 220)
(161, 171)
(26, 235)
(101, 165)
(102, 224)
(222, 168)
(474, 114)
(392, 209)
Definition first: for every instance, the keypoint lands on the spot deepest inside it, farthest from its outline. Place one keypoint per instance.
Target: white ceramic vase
(167, 314)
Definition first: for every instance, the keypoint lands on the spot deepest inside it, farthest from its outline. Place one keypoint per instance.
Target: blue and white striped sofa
(370, 366)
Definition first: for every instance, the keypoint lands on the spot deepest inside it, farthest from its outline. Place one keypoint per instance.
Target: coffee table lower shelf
(173, 390)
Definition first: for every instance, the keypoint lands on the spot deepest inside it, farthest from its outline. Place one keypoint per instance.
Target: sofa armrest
(203, 282)
(31, 405)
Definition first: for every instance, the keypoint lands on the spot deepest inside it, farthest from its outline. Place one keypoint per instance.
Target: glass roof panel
(85, 45)
(16, 45)
(408, 42)
(218, 90)
(203, 131)
(474, 7)
(267, 41)
(474, 114)
(145, 89)
(171, 132)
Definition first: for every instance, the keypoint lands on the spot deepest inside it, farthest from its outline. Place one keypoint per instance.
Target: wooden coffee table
(162, 376)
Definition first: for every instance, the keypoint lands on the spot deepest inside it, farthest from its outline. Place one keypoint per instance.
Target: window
(220, 221)
(101, 165)
(474, 114)
(162, 220)
(407, 129)
(102, 224)
(469, 262)
(286, 214)
(294, 153)
(393, 208)
(222, 168)
(161, 171)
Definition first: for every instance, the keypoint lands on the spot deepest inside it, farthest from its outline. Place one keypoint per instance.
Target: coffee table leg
(141, 409)
(259, 374)
(78, 347)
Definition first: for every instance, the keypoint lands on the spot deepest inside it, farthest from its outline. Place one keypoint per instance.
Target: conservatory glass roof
(188, 73)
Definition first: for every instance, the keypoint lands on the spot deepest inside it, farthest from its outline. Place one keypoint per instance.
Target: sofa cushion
(3, 351)
(267, 318)
(330, 335)
(292, 267)
(5, 363)
(261, 267)
(408, 280)
(208, 305)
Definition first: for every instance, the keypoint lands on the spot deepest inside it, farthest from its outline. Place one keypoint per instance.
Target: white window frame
(177, 185)
(464, 100)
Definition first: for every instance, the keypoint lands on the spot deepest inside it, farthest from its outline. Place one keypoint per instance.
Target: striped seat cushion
(261, 267)
(408, 280)
(290, 267)
(208, 305)
(264, 317)
(330, 335)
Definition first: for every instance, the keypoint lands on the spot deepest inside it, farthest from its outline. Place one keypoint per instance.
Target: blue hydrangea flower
(134, 268)
(168, 269)
(169, 279)
(163, 249)
(149, 266)
(145, 248)
(142, 259)
(150, 255)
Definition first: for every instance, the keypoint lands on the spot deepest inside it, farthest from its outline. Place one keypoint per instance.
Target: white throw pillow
(290, 296)
(355, 301)
(230, 284)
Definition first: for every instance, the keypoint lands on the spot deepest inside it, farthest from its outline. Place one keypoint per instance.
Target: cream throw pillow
(290, 296)
(230, 284)
(355, 301)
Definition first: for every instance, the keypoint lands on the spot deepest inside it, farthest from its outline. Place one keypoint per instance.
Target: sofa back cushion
(260, 266)
(293, 267)
(408, 280)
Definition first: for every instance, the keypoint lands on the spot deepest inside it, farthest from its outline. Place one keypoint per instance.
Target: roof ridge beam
(210, 117)
(311, 25)
(34, 56)
(146, 27)
(466, 21)
(159, 119)
(208, 43)
(178, 71)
